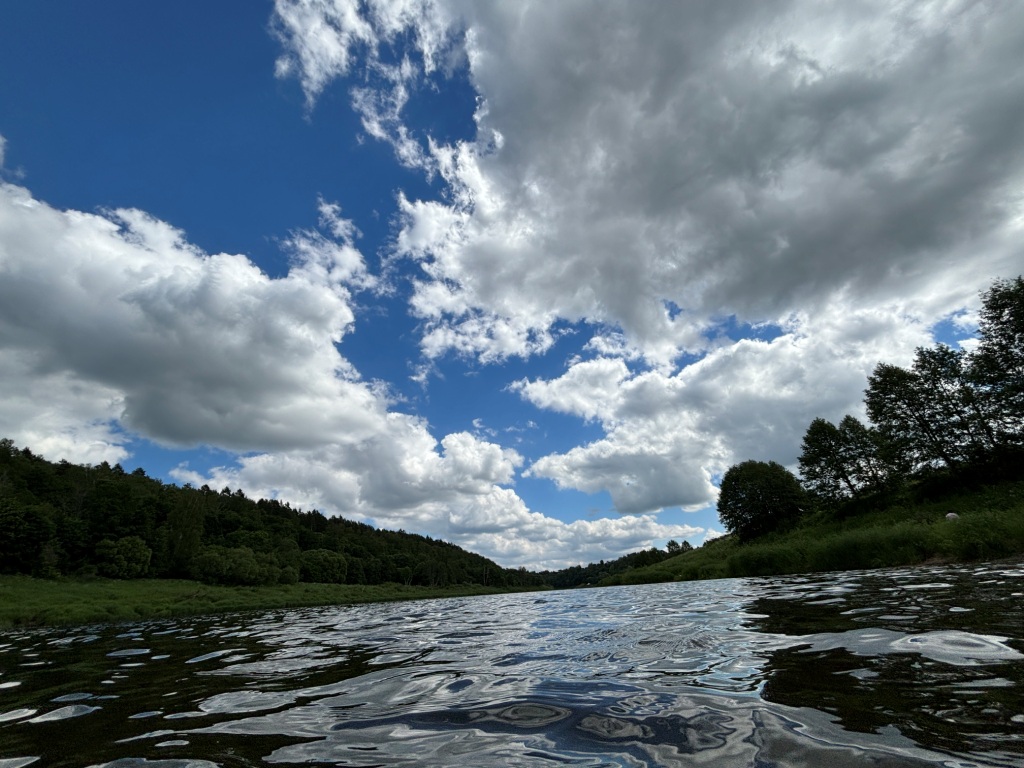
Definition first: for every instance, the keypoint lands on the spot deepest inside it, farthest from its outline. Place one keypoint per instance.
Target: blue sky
(524, 276)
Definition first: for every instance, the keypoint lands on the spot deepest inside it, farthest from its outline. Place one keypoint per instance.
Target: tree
(844, 461)
(932, 414)
(757, 497)
(323, 566)
(184, 531)
(997, 366)
(824, 465)
(126, 558)
(673, 547)
(24, 532)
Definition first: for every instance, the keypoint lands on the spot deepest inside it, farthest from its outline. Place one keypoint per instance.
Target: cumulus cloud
(114, 326)
(201, 349)
(847, 174)
(740, 159)
(669, 436)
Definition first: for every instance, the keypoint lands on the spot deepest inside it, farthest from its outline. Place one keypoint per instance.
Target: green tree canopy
(323, 566)
(998, 363)
(757, 497)
(838, 462)
(126, 558)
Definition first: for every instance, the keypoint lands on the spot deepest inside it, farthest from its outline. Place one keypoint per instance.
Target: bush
(126, 558)
(323, 566)
(234, 565)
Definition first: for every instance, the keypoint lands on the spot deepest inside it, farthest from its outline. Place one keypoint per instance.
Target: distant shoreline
(28, 602)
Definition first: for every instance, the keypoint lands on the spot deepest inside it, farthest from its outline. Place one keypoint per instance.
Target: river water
(909, 667)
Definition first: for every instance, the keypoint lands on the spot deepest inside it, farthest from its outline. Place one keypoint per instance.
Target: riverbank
(989, 524)
(27, 601)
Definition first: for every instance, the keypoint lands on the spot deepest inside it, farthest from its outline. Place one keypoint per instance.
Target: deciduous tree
(757, 497)
(997, 366)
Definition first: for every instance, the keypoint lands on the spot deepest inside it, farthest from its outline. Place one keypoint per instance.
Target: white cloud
(668, 436)
(113, 326)
(54, 414)
(849, 173)
(747, 160)
(324, 49)
(201, 349)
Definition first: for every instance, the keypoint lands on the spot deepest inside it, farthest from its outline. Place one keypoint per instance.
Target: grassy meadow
(27, 601)
(990, 526)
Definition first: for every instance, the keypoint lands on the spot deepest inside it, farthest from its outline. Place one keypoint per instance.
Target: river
(904, 667)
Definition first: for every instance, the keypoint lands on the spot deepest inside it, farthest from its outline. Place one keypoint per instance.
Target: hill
(61, 519)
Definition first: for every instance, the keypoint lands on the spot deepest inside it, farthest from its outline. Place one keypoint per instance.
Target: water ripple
(879, 668)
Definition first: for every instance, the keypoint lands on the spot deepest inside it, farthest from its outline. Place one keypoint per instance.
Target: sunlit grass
(990, 526)
(25, 601)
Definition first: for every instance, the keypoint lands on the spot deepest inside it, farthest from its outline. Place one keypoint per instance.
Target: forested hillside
(64, 519)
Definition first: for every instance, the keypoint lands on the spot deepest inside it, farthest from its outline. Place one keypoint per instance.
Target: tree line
(64, 519)
(955, 417)
(594, 573)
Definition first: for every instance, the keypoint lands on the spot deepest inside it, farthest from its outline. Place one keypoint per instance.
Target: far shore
(31, 602)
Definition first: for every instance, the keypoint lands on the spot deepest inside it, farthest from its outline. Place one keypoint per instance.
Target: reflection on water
(919, 667)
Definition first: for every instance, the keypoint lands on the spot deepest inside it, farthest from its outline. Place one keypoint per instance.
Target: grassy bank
(25, 601)
(990, 526)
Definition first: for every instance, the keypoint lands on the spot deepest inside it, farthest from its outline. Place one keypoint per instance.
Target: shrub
(323, 565)
(126, 558)
(234, 565)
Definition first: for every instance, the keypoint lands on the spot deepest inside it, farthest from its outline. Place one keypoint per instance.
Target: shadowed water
(914, 667)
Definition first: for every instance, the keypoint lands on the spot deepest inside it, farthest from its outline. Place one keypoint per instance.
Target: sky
(525, 276)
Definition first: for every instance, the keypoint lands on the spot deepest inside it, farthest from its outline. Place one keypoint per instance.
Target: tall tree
(932, 414)
(997, 366)
(824, 465)
(871, 461)
(838, 462)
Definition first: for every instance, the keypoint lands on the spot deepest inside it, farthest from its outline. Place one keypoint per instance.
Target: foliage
(998, 363)
(955, 409)
(990, 525)
(932, 414)
(235, 565)
(757, 497)
(847, 461)
(323, 566)
(126, 558)
(26, 529)
(60, 519)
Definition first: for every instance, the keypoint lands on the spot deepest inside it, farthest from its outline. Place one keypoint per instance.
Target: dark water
(917, 667)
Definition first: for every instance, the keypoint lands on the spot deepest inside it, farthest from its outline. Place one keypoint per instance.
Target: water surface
(911, 667)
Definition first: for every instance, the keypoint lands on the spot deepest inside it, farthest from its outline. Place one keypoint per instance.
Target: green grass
(991, 526)
(26, 601)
